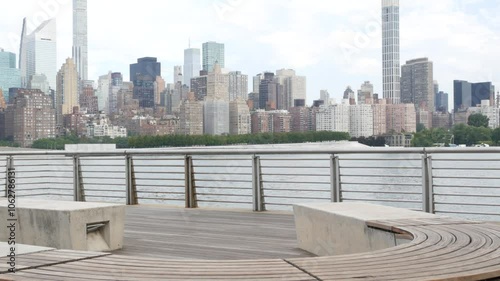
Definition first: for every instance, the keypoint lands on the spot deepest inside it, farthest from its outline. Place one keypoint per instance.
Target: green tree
(420, 127)
(478, 120)
(495, 136)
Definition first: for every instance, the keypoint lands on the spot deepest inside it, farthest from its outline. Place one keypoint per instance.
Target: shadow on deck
(178, 233)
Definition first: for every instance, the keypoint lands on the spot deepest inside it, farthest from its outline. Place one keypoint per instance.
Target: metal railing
(461, 182)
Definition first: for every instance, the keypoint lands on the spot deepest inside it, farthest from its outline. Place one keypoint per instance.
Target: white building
(216, 117)
(104, 91)
(324, 95)
(492, 112)
(38, 53)
(361, 120)
(391, 65)
(333, 118)
(80, 40)
(103, 128)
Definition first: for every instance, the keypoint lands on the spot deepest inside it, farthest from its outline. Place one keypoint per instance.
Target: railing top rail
(256, 151)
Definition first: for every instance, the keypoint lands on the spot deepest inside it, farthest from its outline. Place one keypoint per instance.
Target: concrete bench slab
(327, 229)
(66, 225)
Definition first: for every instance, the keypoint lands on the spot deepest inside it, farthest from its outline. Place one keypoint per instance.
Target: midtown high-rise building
(217, 84)
(38, 52)
(178, 78)
(441, 102)
(361, 120)
(10, 76)
(390, 51)
(270, 93)
(143, 74)
(238, 86)
(417, 84)
(324, 95)
(333, 118)
(67, 90)
(39, 82)
(80, 40)
(192, 64)
(468, 95)
(401, 118)
(365, 94)
(256, 82)
(30, 118)
(216, 117)
(191, 117)
(213, 52)
(239, 117)
(88, 100)
(147, 66)
(103, 92)
(349, 95)
(294, 87)
(115, 87)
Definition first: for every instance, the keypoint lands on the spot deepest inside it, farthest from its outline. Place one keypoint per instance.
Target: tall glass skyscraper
(80, 41)
(10, 76)
(391, 68)
(213, 52)
(192, 64)
(38, 53)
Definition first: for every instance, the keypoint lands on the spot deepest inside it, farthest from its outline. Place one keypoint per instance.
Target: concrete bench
(363, 241)
(66, 225)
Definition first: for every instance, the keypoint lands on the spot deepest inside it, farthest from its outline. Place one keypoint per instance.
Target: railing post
(258, 192)
(130, 181)
(78, 192)
(336, 192)
(190, 191)
(9, 165)
(427, 184)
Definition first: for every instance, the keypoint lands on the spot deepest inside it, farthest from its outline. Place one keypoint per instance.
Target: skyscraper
(441, 101)
(147, 66)
(192, 64)
(143, 74)
(178, 74)
(324, 95)
(365, 94)
(390, 51)
(103, 91)
(67, 90)
(80, 41)
(294, 87)
(238, 86)
(468, 95)
(38, 53)
(417, 84)
(10, 76)
(213, 52)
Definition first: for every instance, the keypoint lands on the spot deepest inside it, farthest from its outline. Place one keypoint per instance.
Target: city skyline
(329, 57)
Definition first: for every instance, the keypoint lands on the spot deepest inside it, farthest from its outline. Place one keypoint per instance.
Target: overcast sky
(333, 43)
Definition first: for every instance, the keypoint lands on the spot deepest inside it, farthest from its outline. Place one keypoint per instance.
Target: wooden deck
(177, 233)
(441, 249)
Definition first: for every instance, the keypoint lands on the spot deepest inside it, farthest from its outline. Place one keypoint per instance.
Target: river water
(465, 185)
